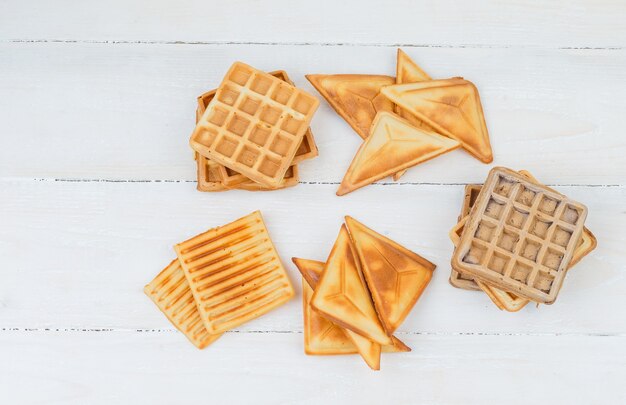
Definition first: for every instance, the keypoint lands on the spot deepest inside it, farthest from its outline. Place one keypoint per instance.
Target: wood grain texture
(127, 367)
(97, 244)
(126, 111)
(535, 23)
(97, 184)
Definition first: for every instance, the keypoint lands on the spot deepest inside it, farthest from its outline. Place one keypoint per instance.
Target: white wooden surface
(97, 184)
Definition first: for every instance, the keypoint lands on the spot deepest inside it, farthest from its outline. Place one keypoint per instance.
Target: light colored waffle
(395, 276)
(393, 145)
(254, 125)
(520, 237)
(234, 272)
(209, 178)
(356, 98)
(171, 293)
(213, 176)
(320, 335)
(342, 295)
(308, 147)
(451, 106)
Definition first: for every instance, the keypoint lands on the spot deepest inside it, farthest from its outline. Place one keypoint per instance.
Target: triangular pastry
(451, 106)
(394, 144)
(408, 71)
(315, 323)
(356, 98)
(396, 276)
(342, 296)
(320, 335)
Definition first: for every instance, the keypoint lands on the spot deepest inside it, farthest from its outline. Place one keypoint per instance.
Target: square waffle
(210, 178)
(457, 279)
(171, 293)
(254, 125)
(234, 273)
(586, 245)
(308, 147)
(520, 236)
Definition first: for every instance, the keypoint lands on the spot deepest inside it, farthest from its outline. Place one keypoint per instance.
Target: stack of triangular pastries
(355, 301)
(404, 121)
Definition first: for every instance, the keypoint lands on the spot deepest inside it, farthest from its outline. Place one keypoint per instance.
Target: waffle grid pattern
(521, 236)
(255, 124)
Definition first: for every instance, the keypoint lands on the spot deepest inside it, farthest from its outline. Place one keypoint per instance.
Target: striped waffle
(234, 273)
(171, 293)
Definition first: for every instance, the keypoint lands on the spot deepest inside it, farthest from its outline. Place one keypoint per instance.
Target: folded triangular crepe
(394, 144)
(342, 296)
(451, 106)
(356, 98)
(315, 323)
(396, 276)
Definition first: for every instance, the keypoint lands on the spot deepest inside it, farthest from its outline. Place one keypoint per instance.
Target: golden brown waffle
(171, 293)
(308, 147)
(216, 177)
(396, 276)
(342, 296)
(254, 124)
(451, 106)
(320, 334)
(393, 145)
(520, 237)
(209, 178)
(356, 98)
(234, 272)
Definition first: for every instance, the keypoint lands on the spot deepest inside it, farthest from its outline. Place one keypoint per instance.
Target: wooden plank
(535, 23)
(79, 254)
(95, 111)
(269, 368)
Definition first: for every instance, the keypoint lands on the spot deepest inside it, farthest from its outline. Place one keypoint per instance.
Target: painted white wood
(125, 111)
(243, 368)
(83, 251)
(574, 23)
(105, 92)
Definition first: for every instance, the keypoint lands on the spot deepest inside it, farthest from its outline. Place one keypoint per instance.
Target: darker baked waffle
(520, 237)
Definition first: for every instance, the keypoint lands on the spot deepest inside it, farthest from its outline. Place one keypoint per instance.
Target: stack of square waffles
(516, 239)
(221, 278)
(355, 301)
(252, 131)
